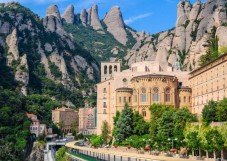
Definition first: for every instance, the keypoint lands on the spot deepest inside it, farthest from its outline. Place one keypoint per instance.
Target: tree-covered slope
(43, 61)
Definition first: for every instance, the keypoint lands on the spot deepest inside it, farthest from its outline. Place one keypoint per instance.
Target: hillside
(42, 60)
(183, 45)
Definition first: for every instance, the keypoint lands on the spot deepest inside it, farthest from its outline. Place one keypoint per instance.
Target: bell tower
(108, 68)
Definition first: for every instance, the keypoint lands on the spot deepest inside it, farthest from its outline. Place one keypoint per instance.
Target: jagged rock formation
(12, 43)
(115, 24)
(183, 45)
(41, 55)
(83, 17)
(53, 11)
(53, 19)
(68, 16)
(95, 22)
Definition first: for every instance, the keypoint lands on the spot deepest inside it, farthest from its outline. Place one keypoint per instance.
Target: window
(115, 68)
(105, 69)
(189, 99)
(104, 90)
(167, 94)
(119, 99)
(223, 82)
(129, 99)
(184, 98)
(143, 95)
(104, 105)
(124, 80)
(144, 113)
(104, 111)
(124, 99)
(110, 69)
(155, 95)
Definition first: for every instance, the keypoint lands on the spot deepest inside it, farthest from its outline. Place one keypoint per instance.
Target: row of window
(110, 69)
(36, 128)
(204, 90)
(209, 75)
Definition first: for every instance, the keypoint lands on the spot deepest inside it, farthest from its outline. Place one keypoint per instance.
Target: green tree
(223, 131)
(106, 132)
(212, 50)
(61, 155)
(192, 138)
(211, 140)
(209, 111)
(221, 111)
(124, 124)
(165, 129)
(181, 118)
(140, 127)
(75, 126)
(96, 141)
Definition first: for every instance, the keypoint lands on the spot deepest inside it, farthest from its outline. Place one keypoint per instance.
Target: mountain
(183, 45)
(43, 57)
(59, 55)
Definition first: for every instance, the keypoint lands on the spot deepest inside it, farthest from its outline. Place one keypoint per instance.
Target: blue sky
(149, 15)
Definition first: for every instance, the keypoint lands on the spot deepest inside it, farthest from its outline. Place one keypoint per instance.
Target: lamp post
(146, 140)
(172, 141)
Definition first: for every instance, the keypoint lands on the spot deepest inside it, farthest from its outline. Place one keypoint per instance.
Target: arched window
(167, 94)
(104, 105)
(104, 90)
(143, 95)
(134, 95)
(115, 68)
(155, 94)
(119, 99)
(105, 69)
(110, 69)
(124, 99)
(184, 98)
(129, 99)
(189, 99)
(104, 111)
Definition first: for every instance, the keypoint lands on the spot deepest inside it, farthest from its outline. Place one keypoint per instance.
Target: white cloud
(34, 1)
(135, 18)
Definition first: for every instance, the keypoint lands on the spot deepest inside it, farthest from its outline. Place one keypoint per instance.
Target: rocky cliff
(115, 25)
(183, 45)
(43, 56)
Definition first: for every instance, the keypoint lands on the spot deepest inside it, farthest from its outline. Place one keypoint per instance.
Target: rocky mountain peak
(115, 24)
(95, 22)
(68, 15)
(83, 17)
(53, 11)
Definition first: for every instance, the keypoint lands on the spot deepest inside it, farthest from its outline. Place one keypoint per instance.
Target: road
(124, 156)
(49, 154)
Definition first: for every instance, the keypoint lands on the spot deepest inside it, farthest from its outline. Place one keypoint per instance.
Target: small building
(87, 120)
(67, 116)
(35, 127)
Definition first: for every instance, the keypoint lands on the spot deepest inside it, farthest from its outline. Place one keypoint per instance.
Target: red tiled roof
(30, 114)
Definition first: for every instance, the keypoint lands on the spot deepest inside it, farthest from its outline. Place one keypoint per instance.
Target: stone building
(87, 120)
(143, 84)
(67, 116)
(209, 82)
(35, 127)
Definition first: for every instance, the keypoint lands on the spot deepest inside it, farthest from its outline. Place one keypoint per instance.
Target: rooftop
(222, 55)
(30, 115)
(153, 75)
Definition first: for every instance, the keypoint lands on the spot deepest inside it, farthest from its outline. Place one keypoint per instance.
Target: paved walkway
(124, 154)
